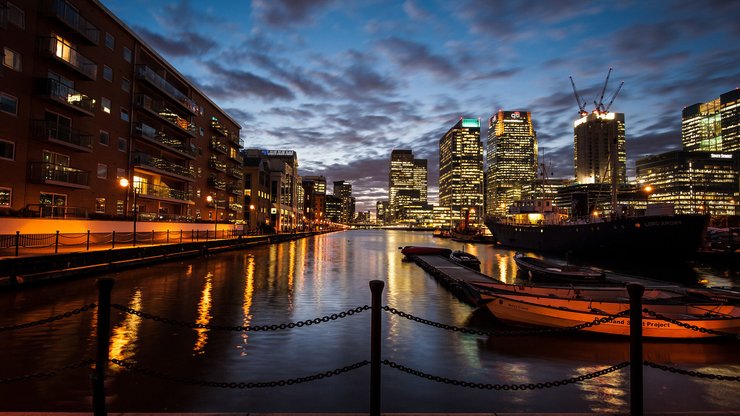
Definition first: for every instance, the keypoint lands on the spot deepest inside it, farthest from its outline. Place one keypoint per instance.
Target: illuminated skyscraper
(713, 126)
(314, 197)
(343, 190)
(407, 182)
(461, 168)
(511, 157)
(598, 136)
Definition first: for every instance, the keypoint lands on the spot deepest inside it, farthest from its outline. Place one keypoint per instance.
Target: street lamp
(125, 184)
(251, 216)
(215, 214)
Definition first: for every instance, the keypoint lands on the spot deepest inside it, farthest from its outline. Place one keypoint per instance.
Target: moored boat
(537, 268)
(465, 259)
(563, 313)
(425, 250)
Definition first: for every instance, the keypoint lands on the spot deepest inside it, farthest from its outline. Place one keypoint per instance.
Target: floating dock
(451, 275)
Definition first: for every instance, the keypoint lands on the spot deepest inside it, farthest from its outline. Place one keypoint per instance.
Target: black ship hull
(678, 235)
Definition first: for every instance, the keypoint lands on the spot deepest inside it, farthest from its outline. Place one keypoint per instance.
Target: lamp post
(125, 183)
(251, 216)
(215, 214)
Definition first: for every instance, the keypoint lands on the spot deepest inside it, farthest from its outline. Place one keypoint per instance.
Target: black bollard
(636, 379)
(56, 243)
(376, 287)
(105, 287)
(88, 240)
(17, 241)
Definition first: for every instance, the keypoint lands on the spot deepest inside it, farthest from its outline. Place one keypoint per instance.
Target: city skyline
(326, 79)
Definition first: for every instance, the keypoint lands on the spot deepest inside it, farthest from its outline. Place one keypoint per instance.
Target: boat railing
(102, 359)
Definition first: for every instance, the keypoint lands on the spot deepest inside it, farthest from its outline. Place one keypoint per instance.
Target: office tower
(713, 126)
(407, 181)
(511, 158)
(599, 148)
(381, 212)
(461, 169)
(343, 190)
(84, 102)
(314, 197)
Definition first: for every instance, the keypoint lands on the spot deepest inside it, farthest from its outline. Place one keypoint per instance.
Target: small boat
(537, 268)
(439, 233)
(465, 259)
(422, 250)
(563, 313)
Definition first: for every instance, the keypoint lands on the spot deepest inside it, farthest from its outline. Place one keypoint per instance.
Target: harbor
(319, 276)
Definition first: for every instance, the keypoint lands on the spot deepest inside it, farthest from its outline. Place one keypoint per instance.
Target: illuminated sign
(515, 115)
(471, 122)
(721, 156)
(273, 210)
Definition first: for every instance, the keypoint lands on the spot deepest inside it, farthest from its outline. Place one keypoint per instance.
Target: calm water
(315, 277)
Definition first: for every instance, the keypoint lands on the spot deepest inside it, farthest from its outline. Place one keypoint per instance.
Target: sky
(343, 83)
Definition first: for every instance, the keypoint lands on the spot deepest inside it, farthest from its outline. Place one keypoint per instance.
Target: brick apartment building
(84, 101)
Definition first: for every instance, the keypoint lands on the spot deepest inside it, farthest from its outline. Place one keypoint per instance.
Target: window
(6, 197)
(126, 84)
(7, 150)
(119, 206)
(124, 114)
(55, 158)
(58, 127)
(110, 41)
(102, 171)
(107, 73)
(120, 173)
(105, 105)
(122, 144)
(100, 205)
(127, 54)
(16, 16)
(12, 59)
(104, 137)
(202, 131)
(8, 104)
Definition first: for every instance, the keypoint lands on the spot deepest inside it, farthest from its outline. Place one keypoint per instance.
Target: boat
(564, 313)
(540, 269)
(425, 250)
(467, 232)
(465, 259)
(440, 233)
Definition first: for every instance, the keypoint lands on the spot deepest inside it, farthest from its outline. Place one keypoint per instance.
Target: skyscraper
(511, 157)
(343, 190)
(461, 168)
(599, 144)
(713, 126)
(407, 181)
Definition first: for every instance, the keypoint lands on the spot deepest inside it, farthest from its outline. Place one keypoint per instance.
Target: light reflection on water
(315, 277)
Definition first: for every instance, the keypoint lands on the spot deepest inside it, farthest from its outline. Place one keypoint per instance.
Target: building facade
(343, 190)
(713, 126)
(314, 189)
(407, 182)
(257, 199)
(83, 105)
(381, 212)
(461, 169)
(511, 157)
(599, 148)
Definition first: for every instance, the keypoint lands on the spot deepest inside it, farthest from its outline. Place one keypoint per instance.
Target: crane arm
(581, 107)
(606, 109)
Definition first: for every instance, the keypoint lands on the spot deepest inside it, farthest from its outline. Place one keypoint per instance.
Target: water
(312, 278)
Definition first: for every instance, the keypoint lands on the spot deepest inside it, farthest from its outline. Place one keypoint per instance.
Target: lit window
(110, 41)
(105, 104)
(104, 137)
(122, 144)
(119, 206)
(126, 84)
(102, 171)
(127, 55)
(7, 150)
(124, 114)
(12, 59)
(6, 197)
(8, 104)
(107, 73)
(100, 205)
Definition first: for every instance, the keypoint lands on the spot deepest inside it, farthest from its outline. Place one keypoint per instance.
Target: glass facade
(599, 148)
(407, 182)
(713, 126)
(461, 169)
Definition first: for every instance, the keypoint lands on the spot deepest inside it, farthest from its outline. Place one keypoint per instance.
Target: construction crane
(581, 107)
(606, 109)
(600, 104)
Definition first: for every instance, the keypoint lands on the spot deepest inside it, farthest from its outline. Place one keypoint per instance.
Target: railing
(235, 172)
(217, 164)
(164, 165)
(216, 125)
(217, 183)
(65, 12)
(165, 113)
(236, 140)
(67, 95)
(236, 156)
(102, 360)
(234, 189)
(163, 191)
(219, 147)
(173, 143)
(148, 74)
(64, 52)
(59, 175)
(47, 130)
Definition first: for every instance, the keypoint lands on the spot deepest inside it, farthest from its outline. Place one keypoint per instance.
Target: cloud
(414, 11)
(413, 56)
(233, 83)
(287, 13)
(179, 44)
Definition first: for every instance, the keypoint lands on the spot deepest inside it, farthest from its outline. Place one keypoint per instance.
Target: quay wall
(45, 225)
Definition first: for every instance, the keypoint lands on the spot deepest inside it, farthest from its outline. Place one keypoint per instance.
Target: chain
(252, 328)
(46, 374)
(691, 327)
(488, 386)
(49, 319)
(241, 385)
(595, 322)
(691, 372)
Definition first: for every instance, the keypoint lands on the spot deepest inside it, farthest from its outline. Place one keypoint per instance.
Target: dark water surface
(312, 278)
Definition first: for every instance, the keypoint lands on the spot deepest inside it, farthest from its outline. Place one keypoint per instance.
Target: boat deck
(450, 275)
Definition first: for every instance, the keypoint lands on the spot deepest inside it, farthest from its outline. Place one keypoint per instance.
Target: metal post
(56, 243)
(152, 237)
(168, 236)
(136, 213)
(17, 241)
(181, 236)
(376, 287)
(636, 379)
(113, 240)
(105, 286)
(88, 240)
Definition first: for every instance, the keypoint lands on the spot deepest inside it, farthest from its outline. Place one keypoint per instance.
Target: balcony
(56, 91)
(217, 165)
(236, 207)
(51, 174)
(235, 189)
(164, 192)
(219, 147)
(236, 156)
(236, 140)
(64, 135)
(63, 52)
(216, 125)
(217, 183)
(68, 15)
(236, 173)
(160, 109)
(147, 74)
(163, 166)
(168, 142)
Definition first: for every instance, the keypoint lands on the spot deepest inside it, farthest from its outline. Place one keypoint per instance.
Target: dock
(451, 275)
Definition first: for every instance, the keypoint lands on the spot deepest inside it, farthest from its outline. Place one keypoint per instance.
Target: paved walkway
(730, 413)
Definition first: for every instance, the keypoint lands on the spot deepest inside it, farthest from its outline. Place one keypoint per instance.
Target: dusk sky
(344, 83)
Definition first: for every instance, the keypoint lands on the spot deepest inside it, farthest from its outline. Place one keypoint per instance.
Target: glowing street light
(125, 184)
(215, 214)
